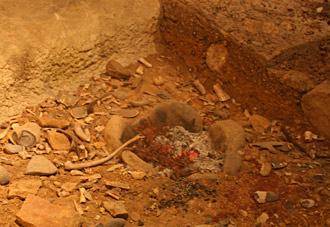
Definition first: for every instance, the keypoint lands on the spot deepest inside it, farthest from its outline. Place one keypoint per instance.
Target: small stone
(221, 114)
(117, 209)
(76, 173)
(138, 175)
(299, 81)
(116, 70)
(140, 70)
(4, 176)
(58, 141)
(308, 136)
(307, 203)
(319, 9)
(259, 123)
(140, 223)
(115, 83)
(78, 112)
(131, 159)
(265, 169)
(243, 213)
(67, 99)
(121, 95)
(116, 222)
(52, 122)
(216, 57)
(41, 166)
(22, 188)
(135, 216)
(262, 219)
(221, 94)
(159, 81)
(199, 87)
(38, 212)
(264, 196)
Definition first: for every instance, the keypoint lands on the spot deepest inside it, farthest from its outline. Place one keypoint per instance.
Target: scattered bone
(116, 184)
(82, 195)
(145, 62)
(140, 70)
(200, 87)
(221, 94)
(84, 135)
(308, 136)
(78, 207)
(13, 149)
(113, 195)
(69, 165)
(4, 133)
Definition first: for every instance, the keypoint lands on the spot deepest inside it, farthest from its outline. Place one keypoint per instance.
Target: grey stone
(116, 70)
(316, 107)
(39, 165)
(307, 203)
(117, 209)
(172, 113)
(4, 176)
(116, 222)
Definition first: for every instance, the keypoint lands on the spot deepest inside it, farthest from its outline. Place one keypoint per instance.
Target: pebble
(4, 176)
(307, 203)
(78, 112)
(117, 209)
(265, 196)
(128, 113)
(116, 222)
(121, 95)
(262, 219)
(259, 123)
(39, 165)
(76, 173)
(265, 169)
(140, 223)
(159, 81)
(65, 98)
(138, 175)
(135, 216)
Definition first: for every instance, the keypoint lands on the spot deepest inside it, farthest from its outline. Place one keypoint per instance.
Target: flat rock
(22, 188)
(299, 81)
(66, 98)
(78, 112)
(116, 222)
(259, 123)
(172, 113)
(121, 95)
(117, 209)
(118, 131)
(58, 141)
(316, 107)
(13, 148)
(4, 176)
(132, 160)
(52, 122)
(116, 70)
(41, 166)
(265, 196)
(38, 212)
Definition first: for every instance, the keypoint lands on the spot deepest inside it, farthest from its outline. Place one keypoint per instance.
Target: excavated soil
(251, 77)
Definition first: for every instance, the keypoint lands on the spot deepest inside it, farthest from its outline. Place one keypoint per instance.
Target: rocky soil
(215, 130)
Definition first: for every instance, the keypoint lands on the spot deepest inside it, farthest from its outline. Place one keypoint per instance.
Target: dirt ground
(251, 77)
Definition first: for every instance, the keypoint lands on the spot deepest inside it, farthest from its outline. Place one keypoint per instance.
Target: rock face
(228, 136)
(177, 114)
(38, 212)
(50, 48)
(316, 107)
